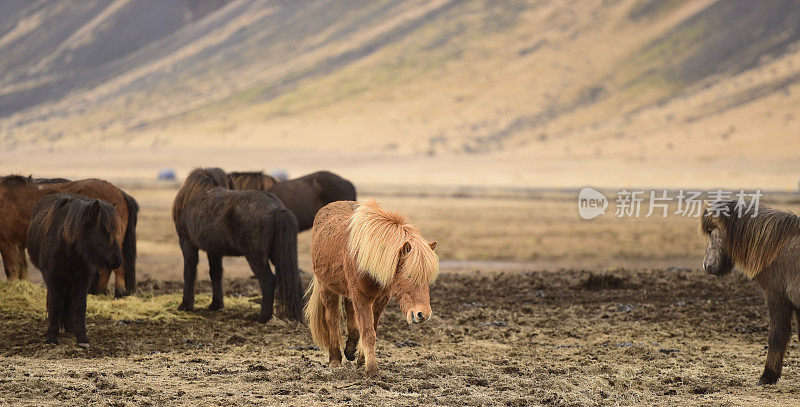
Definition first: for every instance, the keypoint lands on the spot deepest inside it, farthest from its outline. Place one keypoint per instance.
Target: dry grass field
(534, 306)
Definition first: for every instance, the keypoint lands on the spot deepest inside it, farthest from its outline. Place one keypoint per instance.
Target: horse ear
(433, 245)
(406, 249)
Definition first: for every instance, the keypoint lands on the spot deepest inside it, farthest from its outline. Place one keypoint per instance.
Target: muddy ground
(567, 337)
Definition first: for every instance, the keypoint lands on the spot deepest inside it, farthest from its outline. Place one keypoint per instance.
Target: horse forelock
(754, 242)
(89, 213)
(375, 239)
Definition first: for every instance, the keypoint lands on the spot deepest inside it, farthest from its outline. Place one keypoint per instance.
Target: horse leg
(780, 332)
(103, 275)
(797, 316)
(119, 283)
(77, 310)
(333, 314)
(11, 261)
(266, 280)
(377, 310)
(366, 326)
(352, 331)
(215, 269)
(190, 259)
(55, 307)
(23, 262)
(66, 314)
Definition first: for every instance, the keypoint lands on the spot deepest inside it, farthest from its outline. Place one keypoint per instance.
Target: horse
(19, 194)
(69, 237)
(253, 180)
(306, 195)
(365, 255)
(209, 216)
(765, 243)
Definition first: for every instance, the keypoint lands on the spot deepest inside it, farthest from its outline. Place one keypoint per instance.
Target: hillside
(540, 93)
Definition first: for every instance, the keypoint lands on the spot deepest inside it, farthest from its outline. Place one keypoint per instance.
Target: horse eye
(408, 275)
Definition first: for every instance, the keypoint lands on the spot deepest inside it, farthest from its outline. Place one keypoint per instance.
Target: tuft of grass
(23, 299)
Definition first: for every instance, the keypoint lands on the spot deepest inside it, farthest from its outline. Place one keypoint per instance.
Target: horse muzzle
(417, 317)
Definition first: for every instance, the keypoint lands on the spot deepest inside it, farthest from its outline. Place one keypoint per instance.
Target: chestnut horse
(766, 244)
(304, 196)
(19, 194)
(365, 255)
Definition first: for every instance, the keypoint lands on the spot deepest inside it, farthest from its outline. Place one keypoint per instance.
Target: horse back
(228, 222)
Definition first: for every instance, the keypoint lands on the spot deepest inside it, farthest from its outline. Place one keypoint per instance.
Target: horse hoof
(372, 374)
(767, 379)
(185, 307)
(334, 363)
(350, 355)
(119, 294)
(51, 341)
(84, 345)
(215, 307)
(264, 318)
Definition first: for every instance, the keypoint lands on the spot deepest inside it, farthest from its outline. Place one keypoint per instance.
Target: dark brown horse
(211, 217)
(306, 195)
(69, 237)
(19, 194)
(765, 243)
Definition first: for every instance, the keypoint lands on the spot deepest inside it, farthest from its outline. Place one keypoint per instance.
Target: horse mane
(15, 180)
(51, 180)
(376, 237)
(81, 211)
(198, 181)
(753, 242)
(251, 180)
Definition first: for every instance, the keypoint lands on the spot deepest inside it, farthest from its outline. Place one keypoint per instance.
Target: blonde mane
(376, 237)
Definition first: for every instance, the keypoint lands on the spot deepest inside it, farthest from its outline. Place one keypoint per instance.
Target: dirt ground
(515, 329)
(567, 337)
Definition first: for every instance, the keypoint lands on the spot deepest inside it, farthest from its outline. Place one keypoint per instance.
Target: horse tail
(129, 244)
(283, 253)
(315, 314)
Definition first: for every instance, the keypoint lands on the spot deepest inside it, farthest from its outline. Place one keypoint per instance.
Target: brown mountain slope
(647, 92)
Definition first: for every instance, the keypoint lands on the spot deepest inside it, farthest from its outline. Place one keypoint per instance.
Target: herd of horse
(79, 232)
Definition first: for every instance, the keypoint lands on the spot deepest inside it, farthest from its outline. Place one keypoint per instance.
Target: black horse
(69, 238)
(211, 217)
(304, 196)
